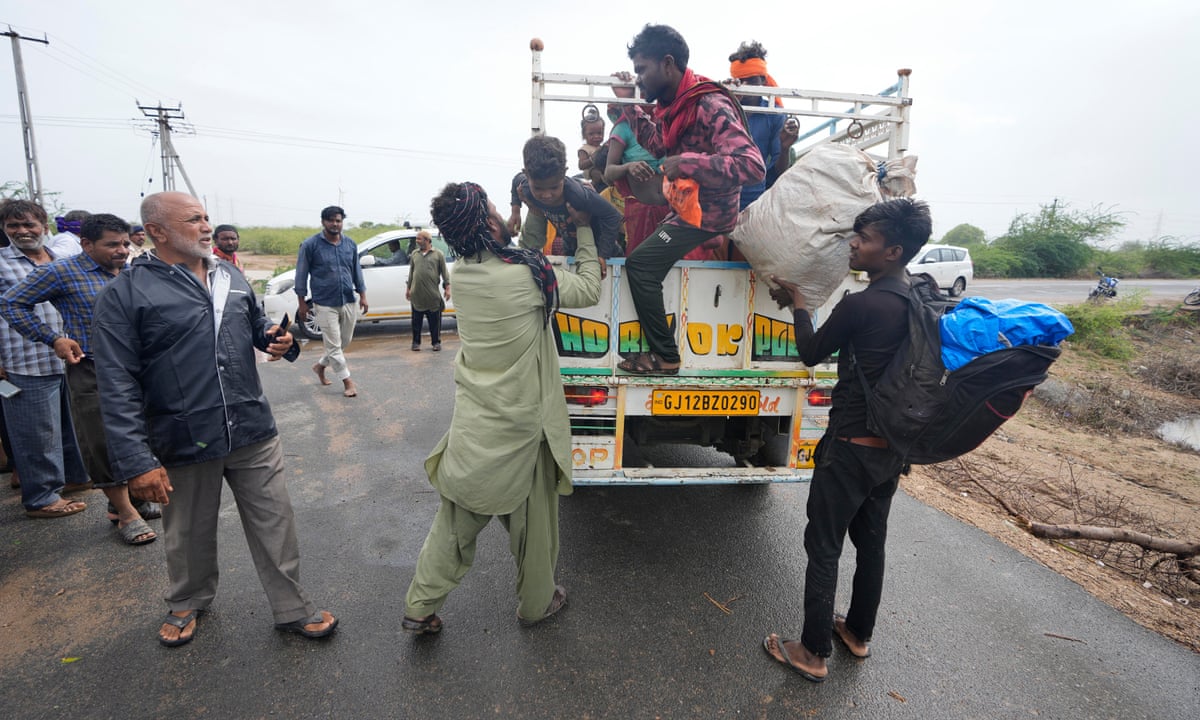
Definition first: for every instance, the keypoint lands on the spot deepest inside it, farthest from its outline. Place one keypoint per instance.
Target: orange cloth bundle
(683, 195)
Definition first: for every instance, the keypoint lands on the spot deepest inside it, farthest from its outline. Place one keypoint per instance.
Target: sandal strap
(181, 622)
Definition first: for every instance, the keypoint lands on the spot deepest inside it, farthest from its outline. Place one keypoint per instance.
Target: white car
(385, 272)
(950, 267)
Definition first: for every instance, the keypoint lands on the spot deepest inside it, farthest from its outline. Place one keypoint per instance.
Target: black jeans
(851, 491)
(646, 267)
(435, 325)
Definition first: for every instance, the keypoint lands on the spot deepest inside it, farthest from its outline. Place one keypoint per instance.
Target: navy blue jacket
(175, 391)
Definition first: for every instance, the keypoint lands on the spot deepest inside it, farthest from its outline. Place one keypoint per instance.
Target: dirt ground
(1083, 450)
(266, 262)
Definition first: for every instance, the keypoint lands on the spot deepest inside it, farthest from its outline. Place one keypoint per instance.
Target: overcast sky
(375, 105)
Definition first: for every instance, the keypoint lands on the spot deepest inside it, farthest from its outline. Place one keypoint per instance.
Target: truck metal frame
(741, 387)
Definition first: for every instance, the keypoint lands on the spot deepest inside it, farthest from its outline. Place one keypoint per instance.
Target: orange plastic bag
(683, 195)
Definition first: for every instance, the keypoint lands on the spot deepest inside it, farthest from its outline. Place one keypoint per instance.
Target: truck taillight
(820, 397)
(586, 396)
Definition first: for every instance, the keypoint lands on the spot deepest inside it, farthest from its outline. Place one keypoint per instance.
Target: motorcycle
(1192, 298)
(1106, 287)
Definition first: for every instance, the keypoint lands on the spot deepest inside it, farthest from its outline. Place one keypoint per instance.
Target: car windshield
(395, 251)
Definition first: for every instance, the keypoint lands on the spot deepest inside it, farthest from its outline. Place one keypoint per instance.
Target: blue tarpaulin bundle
(977, 326)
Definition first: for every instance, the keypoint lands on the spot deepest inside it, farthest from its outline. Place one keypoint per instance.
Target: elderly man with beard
(71, 285)
(183, 408)
(508, 451)
(46, 452)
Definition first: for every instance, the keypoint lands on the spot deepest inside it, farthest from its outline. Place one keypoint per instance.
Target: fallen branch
(720, 606)
(1064, 637)
(966, 469)
(1181, 548)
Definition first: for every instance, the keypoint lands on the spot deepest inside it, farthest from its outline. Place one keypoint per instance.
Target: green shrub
(1100, 327)
(1127, 262)
(991, 261)
(1167, 259)
(286, 241)
(273, 241)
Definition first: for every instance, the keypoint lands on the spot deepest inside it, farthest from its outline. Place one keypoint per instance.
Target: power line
(117, 75)
(204, 131)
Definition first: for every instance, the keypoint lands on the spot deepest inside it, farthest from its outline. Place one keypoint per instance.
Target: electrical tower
(31, 163)
(170, 159)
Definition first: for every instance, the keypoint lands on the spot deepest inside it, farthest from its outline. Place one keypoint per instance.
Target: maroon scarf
(681, 113)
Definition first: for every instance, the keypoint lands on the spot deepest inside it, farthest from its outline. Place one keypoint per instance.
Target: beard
(191, 250)
(31, 244)
(500, 230)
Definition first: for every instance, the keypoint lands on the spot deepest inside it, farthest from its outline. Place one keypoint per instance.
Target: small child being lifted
(547, 191)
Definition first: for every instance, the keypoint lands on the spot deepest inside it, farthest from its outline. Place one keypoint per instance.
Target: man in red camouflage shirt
(699, 129)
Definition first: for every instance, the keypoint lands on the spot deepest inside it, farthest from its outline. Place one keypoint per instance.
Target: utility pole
(170, 159)
(31, 163)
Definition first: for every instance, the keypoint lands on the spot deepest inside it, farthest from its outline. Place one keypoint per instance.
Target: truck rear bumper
(689, 476)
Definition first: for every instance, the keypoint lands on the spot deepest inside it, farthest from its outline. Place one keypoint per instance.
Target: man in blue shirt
(327, 264)
(71, 284)
(773, 134)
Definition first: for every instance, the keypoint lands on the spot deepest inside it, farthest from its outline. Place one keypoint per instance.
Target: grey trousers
(255, 475)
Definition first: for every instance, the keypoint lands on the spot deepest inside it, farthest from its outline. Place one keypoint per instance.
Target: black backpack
(929, 414)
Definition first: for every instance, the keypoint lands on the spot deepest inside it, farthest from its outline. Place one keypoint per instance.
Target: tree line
(1061, 242)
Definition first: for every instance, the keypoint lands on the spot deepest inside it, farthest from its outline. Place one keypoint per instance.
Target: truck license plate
(704, 402)
(804, 453)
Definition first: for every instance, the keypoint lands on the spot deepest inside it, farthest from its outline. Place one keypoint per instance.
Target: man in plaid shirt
(47, 454)
(71, 285)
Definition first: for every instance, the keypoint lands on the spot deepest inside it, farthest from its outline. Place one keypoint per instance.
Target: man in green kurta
(427, 268)
(508, 451)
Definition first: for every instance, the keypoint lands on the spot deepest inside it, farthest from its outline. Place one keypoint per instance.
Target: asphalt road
(969, 628)
(1068, 292)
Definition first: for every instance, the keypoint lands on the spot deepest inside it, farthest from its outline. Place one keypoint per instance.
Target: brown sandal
(646, 364)
(62, 508)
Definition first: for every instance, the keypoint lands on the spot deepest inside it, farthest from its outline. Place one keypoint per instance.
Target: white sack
(799, 228)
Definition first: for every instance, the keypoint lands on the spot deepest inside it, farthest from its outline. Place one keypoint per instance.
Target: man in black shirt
(856, 473)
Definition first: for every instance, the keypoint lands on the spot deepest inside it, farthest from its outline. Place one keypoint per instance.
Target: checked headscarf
(465, 228)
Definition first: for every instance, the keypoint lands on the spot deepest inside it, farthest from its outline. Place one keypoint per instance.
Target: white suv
(949, 266)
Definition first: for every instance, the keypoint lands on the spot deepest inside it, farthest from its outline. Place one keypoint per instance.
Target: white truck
(741, 388)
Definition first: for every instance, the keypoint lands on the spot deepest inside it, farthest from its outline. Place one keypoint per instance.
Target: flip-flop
(49, 513)
(148, 510)
(787, 659)
(431, 625)
(181, 623)
(837, 632)
(298, 626)
(136, 531)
